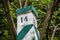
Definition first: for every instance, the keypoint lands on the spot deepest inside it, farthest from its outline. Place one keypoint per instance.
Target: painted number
(24, 19)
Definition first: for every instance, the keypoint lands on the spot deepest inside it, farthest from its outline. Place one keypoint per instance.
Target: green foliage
(41, 7)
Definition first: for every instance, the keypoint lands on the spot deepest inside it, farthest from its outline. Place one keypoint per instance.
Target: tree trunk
(26, 2)
(20, 3)
(10, 19)
(47, 18)
(54, 31)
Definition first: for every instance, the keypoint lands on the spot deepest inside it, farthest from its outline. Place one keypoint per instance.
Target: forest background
(48, 18)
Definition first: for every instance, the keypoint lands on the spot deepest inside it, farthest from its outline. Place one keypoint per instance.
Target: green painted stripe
(37, 33)
(24, 31)
(26, 9)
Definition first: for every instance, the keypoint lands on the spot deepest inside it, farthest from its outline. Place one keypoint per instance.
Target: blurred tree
(48, 15)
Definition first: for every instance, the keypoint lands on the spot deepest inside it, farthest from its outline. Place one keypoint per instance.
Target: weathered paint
(26, 9)
(28, 32)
